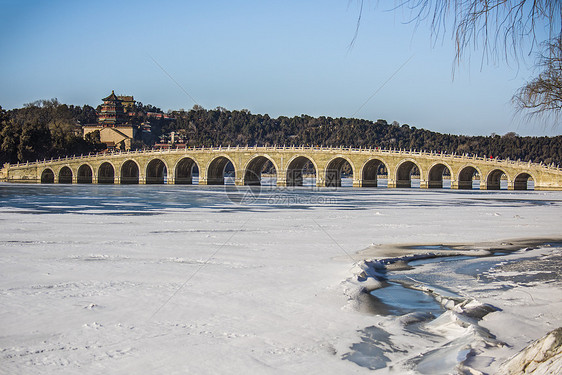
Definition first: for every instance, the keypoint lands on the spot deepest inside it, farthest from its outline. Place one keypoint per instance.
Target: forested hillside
(222, 127)
(47, 128)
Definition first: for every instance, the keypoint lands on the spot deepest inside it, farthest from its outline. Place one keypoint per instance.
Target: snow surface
(139, 279)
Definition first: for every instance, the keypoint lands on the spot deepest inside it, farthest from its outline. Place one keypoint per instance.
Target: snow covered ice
(180, 279)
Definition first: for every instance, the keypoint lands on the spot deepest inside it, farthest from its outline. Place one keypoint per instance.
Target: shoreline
(475, 339)
(383, 251)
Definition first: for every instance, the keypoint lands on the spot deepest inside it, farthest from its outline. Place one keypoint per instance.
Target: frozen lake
(198, 279)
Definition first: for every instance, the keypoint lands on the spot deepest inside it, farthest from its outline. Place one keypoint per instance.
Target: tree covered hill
(222, 127)
(47, 128)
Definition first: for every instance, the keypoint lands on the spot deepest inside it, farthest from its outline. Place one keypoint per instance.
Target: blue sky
(280, 57)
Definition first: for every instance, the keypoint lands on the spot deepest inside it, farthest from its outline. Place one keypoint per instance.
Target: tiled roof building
(115, 130)
(112, 112)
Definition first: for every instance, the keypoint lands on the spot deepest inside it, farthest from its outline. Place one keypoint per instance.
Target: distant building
(159, 115)
(128, 102)
(146, 127)
(115, 130)
(171, 140)
(112, 112)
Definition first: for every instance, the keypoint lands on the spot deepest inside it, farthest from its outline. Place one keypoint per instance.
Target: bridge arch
(84, 174)
(184, 170)
(65, 175)
(436, 173)
(493, 180)
(254, 168)
(370, 171)
(106, 173)
(296, 168)
(47, 176)
(404, 172)
(466, 176)
(334, 171)
(217, 169)
(156, 171)
(521, 181)
(130, 172)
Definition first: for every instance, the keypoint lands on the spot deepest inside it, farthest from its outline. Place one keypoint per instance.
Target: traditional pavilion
(115, 130)
(112, 112)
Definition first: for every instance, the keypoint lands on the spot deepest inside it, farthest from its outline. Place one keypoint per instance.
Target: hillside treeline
(47, 128)
(222, 127)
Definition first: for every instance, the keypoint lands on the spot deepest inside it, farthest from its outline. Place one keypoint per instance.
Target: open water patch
(453, 258)
(396, 299)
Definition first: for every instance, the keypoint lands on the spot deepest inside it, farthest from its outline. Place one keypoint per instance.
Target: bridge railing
(303, 148)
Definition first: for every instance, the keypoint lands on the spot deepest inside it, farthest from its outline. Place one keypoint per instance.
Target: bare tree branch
(352, 43)
(542, 97)
(501, 30)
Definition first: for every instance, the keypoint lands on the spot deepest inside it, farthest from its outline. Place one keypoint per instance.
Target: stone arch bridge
(178, 166)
